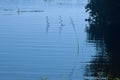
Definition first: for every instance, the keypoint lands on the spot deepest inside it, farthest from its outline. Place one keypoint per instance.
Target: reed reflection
(104, 30)
(48, 24)
(61, 24)
(76, 35)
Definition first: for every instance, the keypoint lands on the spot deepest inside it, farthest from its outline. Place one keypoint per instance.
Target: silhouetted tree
(104, 22)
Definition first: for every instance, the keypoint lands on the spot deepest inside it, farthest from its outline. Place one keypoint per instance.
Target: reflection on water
(46, 40)
(23, 11)
(48, 25)
(61, 24)
(104, 31)
(77, 40)
(97, 68)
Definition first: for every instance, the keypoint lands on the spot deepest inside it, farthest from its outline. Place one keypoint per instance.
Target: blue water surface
(43, 40)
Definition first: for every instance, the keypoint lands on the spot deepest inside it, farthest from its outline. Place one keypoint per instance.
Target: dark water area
(104, 30)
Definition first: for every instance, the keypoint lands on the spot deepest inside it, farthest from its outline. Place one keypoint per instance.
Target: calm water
(46, 41)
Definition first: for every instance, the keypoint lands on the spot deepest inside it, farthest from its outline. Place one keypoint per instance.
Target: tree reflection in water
(104, 30)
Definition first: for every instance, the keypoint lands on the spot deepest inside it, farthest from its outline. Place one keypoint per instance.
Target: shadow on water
(104, 31)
